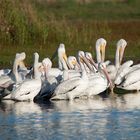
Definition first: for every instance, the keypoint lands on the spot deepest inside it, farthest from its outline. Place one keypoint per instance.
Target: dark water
(101, 119)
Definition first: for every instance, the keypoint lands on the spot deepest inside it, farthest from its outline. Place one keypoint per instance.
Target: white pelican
(72, 88)
(29, 88)
(49, 83)
(14, 76)
(98, 82)
(62, 57)
(112, 69)
(62, 62)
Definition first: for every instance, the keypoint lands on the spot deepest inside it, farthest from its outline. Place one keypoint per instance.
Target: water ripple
(97, 118)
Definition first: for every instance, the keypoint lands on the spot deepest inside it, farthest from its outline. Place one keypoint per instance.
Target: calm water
(97, 118)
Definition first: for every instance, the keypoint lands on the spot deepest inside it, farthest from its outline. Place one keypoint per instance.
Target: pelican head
(20, 56)
(89, 57)
(47, 64)
(121, 44)
(36, 55)
(81, 56)
(72, 62)
(62, 52)
(100, 49)
(102, 67)
(83, 59)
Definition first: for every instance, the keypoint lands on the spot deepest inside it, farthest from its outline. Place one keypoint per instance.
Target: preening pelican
(112, 69)
(29, 88)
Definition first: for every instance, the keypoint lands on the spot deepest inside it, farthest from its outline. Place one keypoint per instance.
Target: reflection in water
(96, 118)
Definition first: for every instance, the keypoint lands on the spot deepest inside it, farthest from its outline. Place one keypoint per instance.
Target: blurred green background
(41, 25)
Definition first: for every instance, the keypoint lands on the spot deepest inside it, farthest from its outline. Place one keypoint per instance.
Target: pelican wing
(26, 88)
(55, 72)
(4, 79)
(131, 78)
(123, 70)
(67, 86)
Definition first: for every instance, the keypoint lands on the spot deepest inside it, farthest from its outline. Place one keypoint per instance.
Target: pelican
(14, 76)
(49, 83)
(62, 57)
(72, 88)
(98, 82)
(28, 89)
(112, 69)
(62, 62)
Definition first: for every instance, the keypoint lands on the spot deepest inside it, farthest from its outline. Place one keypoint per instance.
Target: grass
(39, 25)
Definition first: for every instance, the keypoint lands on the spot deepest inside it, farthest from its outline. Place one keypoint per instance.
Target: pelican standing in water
(28, 89)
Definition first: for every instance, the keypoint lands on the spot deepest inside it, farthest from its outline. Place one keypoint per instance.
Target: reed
(40, 25)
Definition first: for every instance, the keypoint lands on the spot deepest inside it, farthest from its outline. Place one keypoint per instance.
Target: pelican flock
(75, 77)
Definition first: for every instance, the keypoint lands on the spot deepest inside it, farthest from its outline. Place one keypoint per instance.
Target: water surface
(98, 118)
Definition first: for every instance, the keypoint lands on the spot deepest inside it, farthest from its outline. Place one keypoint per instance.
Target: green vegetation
(40, 25)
